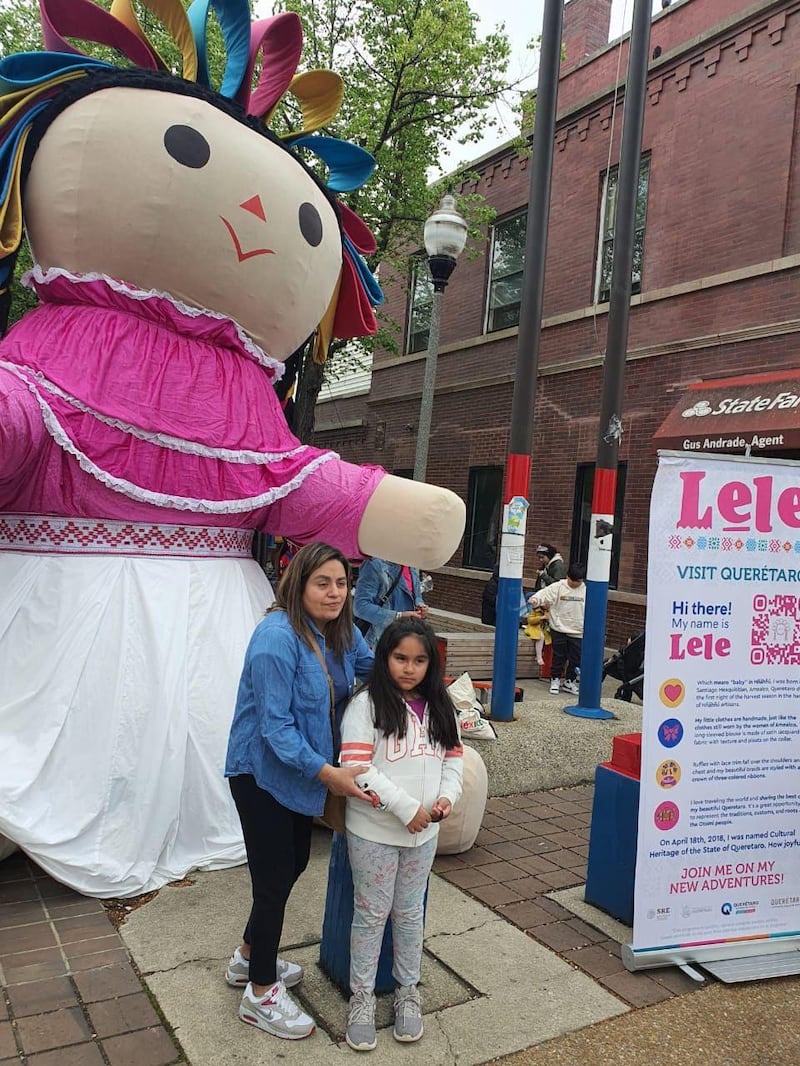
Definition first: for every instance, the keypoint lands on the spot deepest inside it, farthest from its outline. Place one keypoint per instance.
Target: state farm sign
(735, 405)
(756, 413)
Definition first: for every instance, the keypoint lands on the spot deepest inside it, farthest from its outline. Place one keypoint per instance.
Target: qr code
(775, 636)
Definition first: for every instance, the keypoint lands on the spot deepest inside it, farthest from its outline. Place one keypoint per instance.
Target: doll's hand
(441, 809)
(420, 821)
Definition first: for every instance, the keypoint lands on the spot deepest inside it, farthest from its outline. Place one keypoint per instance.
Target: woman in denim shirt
(385, 591)
(281, 760)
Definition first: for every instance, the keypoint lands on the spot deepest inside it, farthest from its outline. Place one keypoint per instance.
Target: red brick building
(716, 277)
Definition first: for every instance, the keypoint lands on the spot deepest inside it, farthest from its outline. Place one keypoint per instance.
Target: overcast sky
(523, 21)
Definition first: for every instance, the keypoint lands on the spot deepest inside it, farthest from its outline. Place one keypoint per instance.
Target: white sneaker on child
(555, 686)
(571, 687)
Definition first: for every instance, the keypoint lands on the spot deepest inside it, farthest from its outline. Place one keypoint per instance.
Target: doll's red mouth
(242, 255)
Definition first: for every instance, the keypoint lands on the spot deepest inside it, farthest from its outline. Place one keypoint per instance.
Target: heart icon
(672, 692)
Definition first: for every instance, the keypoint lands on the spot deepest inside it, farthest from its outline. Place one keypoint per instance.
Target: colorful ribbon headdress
(30, 80)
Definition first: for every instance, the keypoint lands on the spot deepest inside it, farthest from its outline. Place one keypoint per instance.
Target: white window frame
(598, 272)
(491, 279)
(418, 263)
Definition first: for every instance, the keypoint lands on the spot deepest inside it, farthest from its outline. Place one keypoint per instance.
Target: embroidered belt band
(49, 534)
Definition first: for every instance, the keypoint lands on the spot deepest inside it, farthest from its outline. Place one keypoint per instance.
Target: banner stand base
(755, 968)
(729, 962)
(589, 712)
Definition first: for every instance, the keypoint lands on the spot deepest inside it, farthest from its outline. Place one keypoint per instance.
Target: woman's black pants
(278, 845)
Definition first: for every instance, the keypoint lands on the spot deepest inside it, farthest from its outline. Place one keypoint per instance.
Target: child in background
(566, 602)
(402, 728)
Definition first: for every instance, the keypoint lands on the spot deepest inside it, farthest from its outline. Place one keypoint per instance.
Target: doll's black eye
(310, 224)
(187, 146)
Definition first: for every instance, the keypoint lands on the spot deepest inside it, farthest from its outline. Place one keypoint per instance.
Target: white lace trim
(160, 499)
(44, 277)
(164, 440)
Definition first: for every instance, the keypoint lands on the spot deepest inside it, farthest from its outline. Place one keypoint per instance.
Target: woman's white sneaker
(276, 1013)
(238, 972)
(289, 972)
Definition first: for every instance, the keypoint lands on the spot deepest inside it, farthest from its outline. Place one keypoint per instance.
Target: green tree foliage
(20, 27)
(415, 73)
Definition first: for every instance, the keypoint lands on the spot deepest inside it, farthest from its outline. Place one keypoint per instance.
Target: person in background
(552, 567)
(401, 732)
(386, 591)
(566, 601)
(489, 601)
(302, 661)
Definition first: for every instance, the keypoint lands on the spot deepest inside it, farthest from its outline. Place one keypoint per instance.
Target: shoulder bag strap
(321, 658)
(385, 598)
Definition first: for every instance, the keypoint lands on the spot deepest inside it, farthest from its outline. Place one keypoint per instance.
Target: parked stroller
(627, 666)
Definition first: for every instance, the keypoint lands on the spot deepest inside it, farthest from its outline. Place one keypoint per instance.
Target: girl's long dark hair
(289, 597)
(389, 709)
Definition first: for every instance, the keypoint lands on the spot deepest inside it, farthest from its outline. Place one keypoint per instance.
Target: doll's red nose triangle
(255, 207)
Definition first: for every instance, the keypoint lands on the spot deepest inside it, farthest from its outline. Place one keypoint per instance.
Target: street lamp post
(445, 236)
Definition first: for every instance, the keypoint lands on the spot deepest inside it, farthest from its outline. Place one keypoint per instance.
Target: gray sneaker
(407, 1014)
(276, 1013)
(361, 1035)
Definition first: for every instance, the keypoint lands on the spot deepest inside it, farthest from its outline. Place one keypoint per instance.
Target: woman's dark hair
(292, 586)
(389, 709)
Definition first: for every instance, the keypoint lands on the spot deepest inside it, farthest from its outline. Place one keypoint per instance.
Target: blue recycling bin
(611, 867)
(334, 952)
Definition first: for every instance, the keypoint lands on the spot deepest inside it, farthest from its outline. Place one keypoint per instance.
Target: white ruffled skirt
(118, 679)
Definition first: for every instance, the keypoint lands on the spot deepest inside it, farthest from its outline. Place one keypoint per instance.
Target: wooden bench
(474, 652)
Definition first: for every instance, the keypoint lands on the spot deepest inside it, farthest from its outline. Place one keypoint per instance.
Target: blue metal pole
(602, 528)
(518, 468)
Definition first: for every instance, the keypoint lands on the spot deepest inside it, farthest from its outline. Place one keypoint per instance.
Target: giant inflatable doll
(182, 252)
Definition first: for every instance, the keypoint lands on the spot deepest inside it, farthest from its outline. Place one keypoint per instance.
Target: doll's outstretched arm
(411, 522)
(362, 510)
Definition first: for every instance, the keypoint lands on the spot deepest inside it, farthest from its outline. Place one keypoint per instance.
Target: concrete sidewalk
(515, 964)
(478, 967)
(181, 942)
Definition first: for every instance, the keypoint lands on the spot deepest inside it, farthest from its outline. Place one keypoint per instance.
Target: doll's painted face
(169, 193)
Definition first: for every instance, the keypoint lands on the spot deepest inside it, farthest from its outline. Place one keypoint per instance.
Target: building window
(484, 505)
(582, 517)
(419, 306)
(505, 273)
(608, 220)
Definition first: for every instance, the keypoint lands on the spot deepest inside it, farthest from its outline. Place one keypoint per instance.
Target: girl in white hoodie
(402, 728)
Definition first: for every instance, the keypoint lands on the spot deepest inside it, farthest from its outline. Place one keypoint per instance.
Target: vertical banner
(718, 862)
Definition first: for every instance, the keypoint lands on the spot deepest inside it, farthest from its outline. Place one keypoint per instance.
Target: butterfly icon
(671, 732)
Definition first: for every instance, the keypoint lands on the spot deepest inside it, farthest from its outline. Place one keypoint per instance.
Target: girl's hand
(441, 809)
(341, 780)
(420, 821)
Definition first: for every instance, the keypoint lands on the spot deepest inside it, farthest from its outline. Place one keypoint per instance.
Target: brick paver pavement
(530, 845)
(70, 995)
